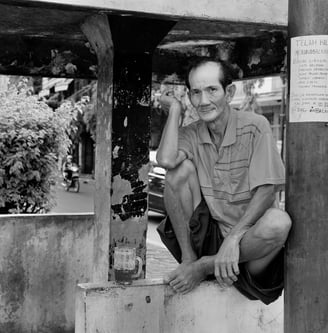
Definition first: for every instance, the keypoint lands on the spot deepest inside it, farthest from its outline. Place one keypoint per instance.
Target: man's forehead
(206, 74)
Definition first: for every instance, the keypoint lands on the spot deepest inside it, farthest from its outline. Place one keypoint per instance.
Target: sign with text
(309, 79)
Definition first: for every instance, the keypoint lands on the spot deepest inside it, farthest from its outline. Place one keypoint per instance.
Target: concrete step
(149, 306)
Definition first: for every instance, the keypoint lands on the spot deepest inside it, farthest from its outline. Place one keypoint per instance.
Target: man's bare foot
(186, 276)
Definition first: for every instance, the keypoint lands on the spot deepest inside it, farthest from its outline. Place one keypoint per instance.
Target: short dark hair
(227, 71)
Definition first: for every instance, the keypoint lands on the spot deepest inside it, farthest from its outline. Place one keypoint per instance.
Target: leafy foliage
(32, 137)
(83, 116)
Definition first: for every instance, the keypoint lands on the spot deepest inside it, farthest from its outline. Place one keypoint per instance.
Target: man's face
(206, 92)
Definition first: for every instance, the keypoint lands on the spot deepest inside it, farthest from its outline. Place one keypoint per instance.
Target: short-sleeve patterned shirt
(247, 158)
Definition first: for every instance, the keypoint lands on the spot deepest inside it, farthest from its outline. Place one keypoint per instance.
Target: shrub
(32, 137)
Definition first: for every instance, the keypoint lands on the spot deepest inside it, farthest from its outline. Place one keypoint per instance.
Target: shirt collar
(230, 134)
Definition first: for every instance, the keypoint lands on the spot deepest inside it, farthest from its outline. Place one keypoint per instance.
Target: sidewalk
(159, 261)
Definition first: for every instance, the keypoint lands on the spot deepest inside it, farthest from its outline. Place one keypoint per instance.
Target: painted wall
(273, 11)
(151, 307)
(42, 258)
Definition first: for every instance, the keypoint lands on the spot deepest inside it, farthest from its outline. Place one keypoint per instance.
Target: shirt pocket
(221, 183)
(239, 184)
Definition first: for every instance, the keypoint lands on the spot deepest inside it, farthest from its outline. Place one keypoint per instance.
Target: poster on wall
(308, 100)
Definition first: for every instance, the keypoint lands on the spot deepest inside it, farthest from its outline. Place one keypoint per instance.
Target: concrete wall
(42, 258)
(268, 11)
(148, 306)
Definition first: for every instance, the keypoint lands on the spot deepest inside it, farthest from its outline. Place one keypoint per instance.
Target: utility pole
(306, 291)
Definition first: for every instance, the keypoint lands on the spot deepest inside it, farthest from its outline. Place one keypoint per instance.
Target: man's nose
(204, 100)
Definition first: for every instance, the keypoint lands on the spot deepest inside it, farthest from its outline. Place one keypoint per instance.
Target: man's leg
(264, 240)
(182, 196)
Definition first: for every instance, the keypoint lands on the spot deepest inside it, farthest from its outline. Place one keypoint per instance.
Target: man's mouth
(206, 110)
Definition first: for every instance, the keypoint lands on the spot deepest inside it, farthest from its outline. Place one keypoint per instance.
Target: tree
(32, 138)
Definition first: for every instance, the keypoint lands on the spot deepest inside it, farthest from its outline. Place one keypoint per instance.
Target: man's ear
(189, 96)
(230, 92)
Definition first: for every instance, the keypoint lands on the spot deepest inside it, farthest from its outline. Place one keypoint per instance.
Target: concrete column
(306, 292)
(97, 30)
(134, 40)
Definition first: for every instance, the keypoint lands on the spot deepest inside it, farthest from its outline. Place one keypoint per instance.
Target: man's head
(69, 158)
(210, 88)
(226, 73)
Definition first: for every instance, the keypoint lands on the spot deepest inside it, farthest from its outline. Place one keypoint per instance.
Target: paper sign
(308, 100)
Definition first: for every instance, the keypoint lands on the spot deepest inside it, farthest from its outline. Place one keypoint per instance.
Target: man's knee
(274, 226)
(180, 175)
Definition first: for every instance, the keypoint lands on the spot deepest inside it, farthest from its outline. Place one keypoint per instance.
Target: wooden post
(97, 30)
(306, 292)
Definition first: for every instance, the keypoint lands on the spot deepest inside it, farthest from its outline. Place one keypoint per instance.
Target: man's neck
(218, 127)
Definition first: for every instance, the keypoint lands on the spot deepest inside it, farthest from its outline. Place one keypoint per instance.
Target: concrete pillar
(306, 293)
(97, 30)
(123, 131)
(134, 41)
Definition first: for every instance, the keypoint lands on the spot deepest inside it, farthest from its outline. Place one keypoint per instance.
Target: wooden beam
(97, 30)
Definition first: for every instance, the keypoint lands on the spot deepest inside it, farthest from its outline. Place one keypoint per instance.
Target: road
(70, 202)
(82, 202)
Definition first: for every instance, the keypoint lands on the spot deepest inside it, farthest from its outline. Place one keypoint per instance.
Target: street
(70, 202)
(159, 260)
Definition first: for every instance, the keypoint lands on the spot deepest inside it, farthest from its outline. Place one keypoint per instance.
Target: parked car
(156, 185)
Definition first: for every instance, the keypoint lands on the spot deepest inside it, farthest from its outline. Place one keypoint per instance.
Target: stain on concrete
(148, 299)
(128, 307)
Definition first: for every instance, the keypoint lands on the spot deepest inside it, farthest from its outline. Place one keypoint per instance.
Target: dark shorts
(206, 239)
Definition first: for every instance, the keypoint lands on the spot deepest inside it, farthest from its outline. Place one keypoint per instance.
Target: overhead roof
(43, 37)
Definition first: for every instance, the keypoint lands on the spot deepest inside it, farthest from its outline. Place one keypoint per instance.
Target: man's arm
(168, 156)
(225, 263)
(262, 200)
(227, 259)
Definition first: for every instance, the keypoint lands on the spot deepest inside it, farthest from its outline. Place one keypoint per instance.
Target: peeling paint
(115, 151)
(131, 131)
(143, 172)
(121, 188)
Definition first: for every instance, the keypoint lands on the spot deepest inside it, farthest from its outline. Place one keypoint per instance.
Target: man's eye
(195, 92)
(213, 90)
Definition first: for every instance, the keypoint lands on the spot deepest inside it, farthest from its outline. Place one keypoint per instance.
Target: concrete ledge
(150, 306)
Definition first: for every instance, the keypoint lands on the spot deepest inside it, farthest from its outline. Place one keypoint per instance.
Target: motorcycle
(72, 181)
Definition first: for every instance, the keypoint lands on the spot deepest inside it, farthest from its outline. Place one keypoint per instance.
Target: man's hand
(226, 267)
(169, 102)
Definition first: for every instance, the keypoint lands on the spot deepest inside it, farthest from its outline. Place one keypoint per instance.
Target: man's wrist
(235, 236)
(207, 264)
(176, 107)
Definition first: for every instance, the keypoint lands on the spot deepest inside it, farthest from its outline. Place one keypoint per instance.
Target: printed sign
(308, 100)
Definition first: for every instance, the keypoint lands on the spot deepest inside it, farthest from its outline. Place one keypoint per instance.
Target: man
(67, 168)
(223, 174)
